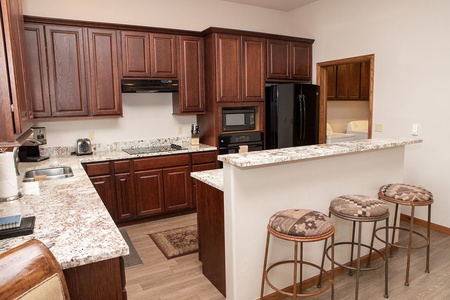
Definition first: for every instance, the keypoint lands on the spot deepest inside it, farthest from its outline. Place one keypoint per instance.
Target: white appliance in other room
(359, 128)
(337, 137)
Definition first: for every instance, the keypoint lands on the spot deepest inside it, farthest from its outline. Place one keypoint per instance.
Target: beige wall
(410, 41)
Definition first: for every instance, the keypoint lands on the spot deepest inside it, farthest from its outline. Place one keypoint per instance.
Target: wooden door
(253, 68)
(177, 188)
(149, 192)
(104, 82)
(278, 62)
(67, 70)
(135, 54)
(301, 57)
(126, 207)
(37, 75)
(163, 56)
(191, 89)
(228, 68)
(14, 42)
(105, 189)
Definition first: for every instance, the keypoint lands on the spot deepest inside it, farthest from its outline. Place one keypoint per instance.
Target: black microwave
(238, 119)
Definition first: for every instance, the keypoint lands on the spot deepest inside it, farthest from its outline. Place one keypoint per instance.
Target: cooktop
(153, 149)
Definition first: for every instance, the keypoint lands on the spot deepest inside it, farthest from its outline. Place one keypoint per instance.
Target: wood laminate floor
(181, 278)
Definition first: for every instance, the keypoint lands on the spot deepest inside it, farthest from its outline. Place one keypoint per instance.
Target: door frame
(321, 79)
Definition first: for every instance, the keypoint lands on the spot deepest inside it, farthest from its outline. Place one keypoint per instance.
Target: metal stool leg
(294, 296)
(408, 257)
(393, 229)
(358, 261)
(427, 267)
(350, 272)
(386, 263)
(265, 265)
(371, 244)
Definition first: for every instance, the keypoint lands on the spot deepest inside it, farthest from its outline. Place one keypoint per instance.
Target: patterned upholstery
(358, 206)
(301, 222)
(406, 193)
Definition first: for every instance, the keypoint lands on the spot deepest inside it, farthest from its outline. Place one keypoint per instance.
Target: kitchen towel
(9, 186)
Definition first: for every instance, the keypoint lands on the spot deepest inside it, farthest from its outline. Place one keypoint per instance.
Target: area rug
(177, 242)
(133, 258)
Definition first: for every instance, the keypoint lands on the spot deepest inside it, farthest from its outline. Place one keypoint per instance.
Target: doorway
(322, 80)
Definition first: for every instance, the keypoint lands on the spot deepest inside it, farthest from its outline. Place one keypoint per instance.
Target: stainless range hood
(149, 86)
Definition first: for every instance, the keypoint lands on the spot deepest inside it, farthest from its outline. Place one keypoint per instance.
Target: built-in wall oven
(241, 142)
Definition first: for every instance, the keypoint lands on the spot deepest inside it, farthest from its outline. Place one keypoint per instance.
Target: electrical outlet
(378, 127)
(415, 129)
(180, 130)
(91, 135)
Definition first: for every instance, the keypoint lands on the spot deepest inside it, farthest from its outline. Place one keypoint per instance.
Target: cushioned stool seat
(299, 226)
(410, 195)
(360, 208)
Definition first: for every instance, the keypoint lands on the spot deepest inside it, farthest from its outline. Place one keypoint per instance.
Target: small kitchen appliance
(238, 119)
(84, 147)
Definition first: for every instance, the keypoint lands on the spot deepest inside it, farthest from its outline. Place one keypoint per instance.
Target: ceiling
(283, 5)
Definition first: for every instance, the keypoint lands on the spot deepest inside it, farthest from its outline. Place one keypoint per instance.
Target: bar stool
(300, 226)
(406, 194)
(361, 209)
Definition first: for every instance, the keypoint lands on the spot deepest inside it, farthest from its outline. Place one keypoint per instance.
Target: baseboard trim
(423, 223)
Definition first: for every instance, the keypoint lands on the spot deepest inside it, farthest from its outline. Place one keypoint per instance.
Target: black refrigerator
(292, 115)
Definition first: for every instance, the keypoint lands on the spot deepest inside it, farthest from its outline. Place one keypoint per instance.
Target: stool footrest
(346, 266)
(425, 239)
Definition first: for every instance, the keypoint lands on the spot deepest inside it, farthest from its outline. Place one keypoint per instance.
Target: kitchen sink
(48, 174)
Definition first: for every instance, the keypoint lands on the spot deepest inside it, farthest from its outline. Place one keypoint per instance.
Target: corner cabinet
(74, 71)
(289, 60)
(191, 76)
(15, 105)
(239, 67)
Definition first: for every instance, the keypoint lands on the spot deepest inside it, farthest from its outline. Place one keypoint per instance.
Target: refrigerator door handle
(302, 116)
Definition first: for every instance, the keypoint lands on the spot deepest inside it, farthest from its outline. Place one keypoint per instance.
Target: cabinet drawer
(122, 166)
(161, 162)
(204, 167)
(203, 157)
(95, 169)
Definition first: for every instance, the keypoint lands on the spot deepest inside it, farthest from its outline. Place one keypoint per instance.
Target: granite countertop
(267, 157)
(70, 216)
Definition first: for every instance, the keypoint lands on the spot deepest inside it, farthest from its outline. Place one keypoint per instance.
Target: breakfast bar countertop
(71, 219)
(267, 157)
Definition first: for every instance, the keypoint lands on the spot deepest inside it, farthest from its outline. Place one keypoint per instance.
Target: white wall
(410, 41)
(147, 116)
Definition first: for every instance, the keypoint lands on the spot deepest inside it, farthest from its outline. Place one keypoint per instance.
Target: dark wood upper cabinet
(37, 75)
(348, 82)
(253, 68)
(239, 68)
(104, 82)
(191, 76)
(67, 70)
(287, 60)
(14, 91)
(163, 57)
(365, 81)
(147, 54)
(331, 82)
(135, 54)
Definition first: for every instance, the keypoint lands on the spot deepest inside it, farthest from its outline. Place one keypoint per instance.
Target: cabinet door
(135, 54)
(228, 68)
(104, 82)
(67, 71)
(104, 187)
(301, 57)
(191, 95)
(278, 62)
(126, 208)
(37, 70)
(253, 67)
(19, 93)
(163, 58)
(331, 83)
(149, 192)
(365, 81)
(177, 188)
(348, 81)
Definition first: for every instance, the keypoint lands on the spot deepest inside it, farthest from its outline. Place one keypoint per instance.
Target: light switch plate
(378, 127)
(415, 129)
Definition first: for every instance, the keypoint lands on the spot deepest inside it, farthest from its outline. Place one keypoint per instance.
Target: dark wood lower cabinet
(149, 192)
(211, 234)
(97, 281)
